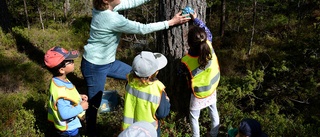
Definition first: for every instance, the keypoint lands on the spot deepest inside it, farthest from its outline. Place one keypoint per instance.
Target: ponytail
(197, 40)
(205, 55)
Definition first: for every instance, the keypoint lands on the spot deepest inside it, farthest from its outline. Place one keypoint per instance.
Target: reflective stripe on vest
(58, 92)
(203, 81)
(143, 95)
(142, 102)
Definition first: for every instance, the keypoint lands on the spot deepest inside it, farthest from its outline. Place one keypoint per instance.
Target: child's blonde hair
(144, 81)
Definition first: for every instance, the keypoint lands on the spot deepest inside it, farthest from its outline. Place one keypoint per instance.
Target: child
(247, 128)
(65, 104)
(99, 58)
(139, 129)
(145, 99)
(201, 68)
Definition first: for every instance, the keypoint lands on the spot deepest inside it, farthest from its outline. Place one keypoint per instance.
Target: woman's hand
(178, 19)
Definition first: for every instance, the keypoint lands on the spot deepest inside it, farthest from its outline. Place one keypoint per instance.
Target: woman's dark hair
(55, 70)
(100, 5)
(197, 40)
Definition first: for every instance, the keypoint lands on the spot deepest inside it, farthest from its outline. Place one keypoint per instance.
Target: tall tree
(5, 17)
(66, 8)
(223, 17)
(26, 12)
(173, 44)
(253, 25)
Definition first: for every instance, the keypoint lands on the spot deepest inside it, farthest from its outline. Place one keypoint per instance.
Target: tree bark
(26, 12)
(40, 16)
(66, 9)
(223, 17)
(5, 17)
(173, 44)
(253, 25)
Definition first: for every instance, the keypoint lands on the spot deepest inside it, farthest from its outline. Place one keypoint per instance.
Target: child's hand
(84, 97)
(167, 98)
(193, 15)
(84, 105)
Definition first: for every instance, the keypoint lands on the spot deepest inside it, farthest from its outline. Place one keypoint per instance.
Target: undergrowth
(24, 87)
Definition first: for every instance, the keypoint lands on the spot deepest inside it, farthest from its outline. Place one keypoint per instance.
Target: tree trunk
(253, 25)
(88, 7)
(26, 12)
(5, 17)
(239, 18)
(40, 16)
(173, 44)
(66, 9)
(223, 17)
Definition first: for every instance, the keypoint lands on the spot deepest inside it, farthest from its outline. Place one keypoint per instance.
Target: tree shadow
(9, 81)
(38, 106)
(26, 47)
(40, 114)
(14, 71)
(37, 55)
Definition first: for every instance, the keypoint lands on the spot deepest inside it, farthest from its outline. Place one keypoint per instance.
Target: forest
(268, 52)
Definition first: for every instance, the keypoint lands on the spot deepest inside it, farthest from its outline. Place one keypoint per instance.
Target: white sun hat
(147, 63)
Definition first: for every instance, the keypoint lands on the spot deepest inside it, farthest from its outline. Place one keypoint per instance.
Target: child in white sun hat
(139, 129)
(145, 98)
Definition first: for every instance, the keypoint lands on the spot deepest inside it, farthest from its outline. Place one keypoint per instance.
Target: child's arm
(164, 107)
(66, 110)
(184, 75)
(201, 24)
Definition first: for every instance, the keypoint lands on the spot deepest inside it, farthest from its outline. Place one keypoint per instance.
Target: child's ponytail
(205, 54)
(197, 40)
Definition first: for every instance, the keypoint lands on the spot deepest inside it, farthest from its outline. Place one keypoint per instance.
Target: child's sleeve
(232, 132)
(182, 70)
(164, 107)
(201, 24)
(184, 75)
(66, 110)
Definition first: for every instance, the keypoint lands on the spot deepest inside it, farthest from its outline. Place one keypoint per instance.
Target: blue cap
(251, 128)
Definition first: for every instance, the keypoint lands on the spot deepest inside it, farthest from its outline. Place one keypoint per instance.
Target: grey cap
(139, 129)
(147, 63)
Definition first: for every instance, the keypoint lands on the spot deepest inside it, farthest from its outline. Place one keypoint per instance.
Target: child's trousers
(215, 121)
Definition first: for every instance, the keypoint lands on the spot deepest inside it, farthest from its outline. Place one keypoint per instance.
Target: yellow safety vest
(57, 92)
(142, 102)
(203, 82)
